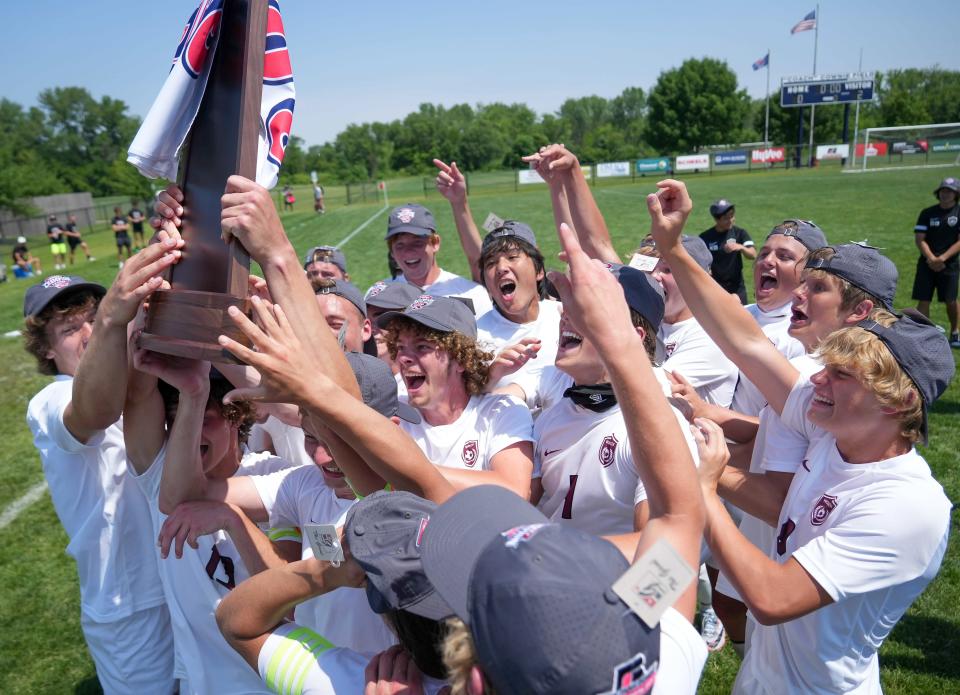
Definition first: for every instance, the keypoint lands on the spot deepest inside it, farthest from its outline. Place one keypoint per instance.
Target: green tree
(583, 115)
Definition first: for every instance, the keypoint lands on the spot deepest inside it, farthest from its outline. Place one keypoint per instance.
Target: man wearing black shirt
(937, 235)
(726, 243)
(75, 239)
(136, 217)
(120, 229)
(58, 244)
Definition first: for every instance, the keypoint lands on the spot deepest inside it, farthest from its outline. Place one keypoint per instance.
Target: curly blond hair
(462, 349)
(460, 656)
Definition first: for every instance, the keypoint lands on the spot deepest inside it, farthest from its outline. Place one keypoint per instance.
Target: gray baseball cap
(41, 295)
(949, 183)
(444, 314)
(378, 387)
(864, 267)
(540, 621)
(410, 219)
(345, 289)
(697, 248)
(512, 228)
(391, 295)
(720, 207)
(326, 254)
(922, 352)
(804, 231)
(644, 294)
(385, 532)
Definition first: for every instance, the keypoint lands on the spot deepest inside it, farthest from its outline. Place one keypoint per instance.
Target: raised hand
(189, 521)
(553, 162)
(450, 182)
(257, 286)
(138, 278)
(393, 672)
(189, 377)
(669, 209)
(682, 390)
(713, 450)
(248, 213)
(168, 206)
(513, 358)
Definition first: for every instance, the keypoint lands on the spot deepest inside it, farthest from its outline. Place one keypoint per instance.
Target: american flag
(762, 62)
(806, 24)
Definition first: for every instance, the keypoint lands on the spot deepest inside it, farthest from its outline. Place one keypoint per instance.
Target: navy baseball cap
(345, 289)
(511, 228)
(720, 207)
(444, 314)
(537, 597)
(326, 254)
(862, 266)
(922, 352)
(804, 231)
(40, 296)
(949, 183)
(644, 294)
(410, 219)
(391, 295)
(384, 532)
(378, 387)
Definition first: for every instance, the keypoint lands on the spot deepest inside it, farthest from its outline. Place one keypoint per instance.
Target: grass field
(41, 647)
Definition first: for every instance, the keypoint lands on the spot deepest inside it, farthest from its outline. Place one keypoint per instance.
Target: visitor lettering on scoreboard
(826, 89)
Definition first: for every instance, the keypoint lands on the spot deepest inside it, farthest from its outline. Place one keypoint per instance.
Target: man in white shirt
(77, 331)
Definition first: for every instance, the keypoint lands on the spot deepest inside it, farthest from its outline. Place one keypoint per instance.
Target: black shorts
(123, 240)
(74, 242)
(944, 281)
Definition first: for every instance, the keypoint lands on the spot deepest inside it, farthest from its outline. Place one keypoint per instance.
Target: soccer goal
(909, 147)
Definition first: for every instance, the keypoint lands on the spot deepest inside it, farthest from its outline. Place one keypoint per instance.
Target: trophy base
(187, 323)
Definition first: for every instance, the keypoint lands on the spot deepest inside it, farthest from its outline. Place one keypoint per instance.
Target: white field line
(361, 227)
(13, 511)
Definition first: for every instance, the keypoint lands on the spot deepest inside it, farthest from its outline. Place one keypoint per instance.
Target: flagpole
(856, 119)
(766, 120)
(813, 107)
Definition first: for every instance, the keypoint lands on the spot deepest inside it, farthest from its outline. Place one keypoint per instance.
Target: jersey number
(567, 512)
(785, 531)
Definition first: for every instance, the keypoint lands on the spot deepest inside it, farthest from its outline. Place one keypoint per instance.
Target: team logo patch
(278, 123)
(669, 348)
(424, 300)
(822, 509)
(470, 453)
(423, 527)
(56, 282)
(377, 288)
(406, 215)
(608, 450)
(634, 676)
(520, 534)
(952, 220)
(200, 38)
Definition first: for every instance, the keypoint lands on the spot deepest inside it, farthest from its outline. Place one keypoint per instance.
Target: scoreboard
(826, 89)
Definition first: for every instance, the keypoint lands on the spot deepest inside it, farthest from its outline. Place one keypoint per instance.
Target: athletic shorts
(59, 248)
(944, 281)
(133, 655)
(74, 242)
(123, 240)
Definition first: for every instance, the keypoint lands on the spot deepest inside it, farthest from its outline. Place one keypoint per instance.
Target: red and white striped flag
(806, 24)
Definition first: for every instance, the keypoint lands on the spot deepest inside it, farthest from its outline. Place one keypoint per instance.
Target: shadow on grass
(935, 638)
(89, 686)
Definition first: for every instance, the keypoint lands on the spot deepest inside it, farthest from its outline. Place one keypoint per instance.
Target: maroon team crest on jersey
(470, 453)
(822, 509)
(669, 348)
(608, 450)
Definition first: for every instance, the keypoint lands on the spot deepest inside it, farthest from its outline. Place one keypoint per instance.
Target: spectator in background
(120, 227)
(74, 239)
(728, 243)
(58, 246)
(318, 199)
(288, 198)
(937, 235)
(25, 264)
(136, 218)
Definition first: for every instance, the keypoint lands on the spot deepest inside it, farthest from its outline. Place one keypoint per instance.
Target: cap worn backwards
(862, 266)
(378, 387)
(511, 228)
(326, 254)
(345, 289)
(391, 295)
(804, 231)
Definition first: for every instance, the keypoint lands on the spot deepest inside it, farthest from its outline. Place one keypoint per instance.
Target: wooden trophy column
(212, 276)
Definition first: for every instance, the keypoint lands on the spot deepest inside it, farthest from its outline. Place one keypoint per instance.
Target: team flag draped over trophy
(155, 150)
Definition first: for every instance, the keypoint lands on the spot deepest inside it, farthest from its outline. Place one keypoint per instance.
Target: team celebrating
(519, 482)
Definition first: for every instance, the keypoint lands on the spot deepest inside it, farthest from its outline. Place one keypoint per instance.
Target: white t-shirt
(287, 441)
(682, 656)
(775, 323)
(297, 497)
(585, 463)
(873, 536)
(104, 513)
(195, 584)
(296, 660)
(448, 284)
(496, 332)
(488, 425)
(692, 353)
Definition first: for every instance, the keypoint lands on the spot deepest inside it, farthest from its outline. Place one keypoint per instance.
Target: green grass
(41, 649)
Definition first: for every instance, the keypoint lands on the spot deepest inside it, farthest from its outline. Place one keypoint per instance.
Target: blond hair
(861, 351)
(460, 656)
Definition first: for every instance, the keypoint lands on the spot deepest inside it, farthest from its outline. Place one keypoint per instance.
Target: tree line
(73, 142)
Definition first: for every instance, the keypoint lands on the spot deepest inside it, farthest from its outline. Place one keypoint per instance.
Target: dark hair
(240, 413)
(505, 244)
(649, 334)
(422, 638)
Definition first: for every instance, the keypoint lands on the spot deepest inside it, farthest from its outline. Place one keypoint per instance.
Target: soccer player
(381, 298)
(937, 235)
(326, 262)
(120, 227)
(75, 239)
(843, 570)
(58, 246)
(136, 217)
(77, 331)
(344, 311)
(729, 245)
(318, 199)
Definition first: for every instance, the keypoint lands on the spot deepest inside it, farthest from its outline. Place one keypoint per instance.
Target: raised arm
(453, 186)
(723, 318)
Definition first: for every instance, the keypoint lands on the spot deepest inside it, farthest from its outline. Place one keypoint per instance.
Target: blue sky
(372, 60)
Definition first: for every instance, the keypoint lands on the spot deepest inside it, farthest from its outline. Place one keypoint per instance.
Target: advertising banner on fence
(608, 169)
(768, 155)
(692, 162)
(910, 147)
(727, 158)
(833, 151)
(529, 176)
(647, 166)
(944, 145)
(874, 149)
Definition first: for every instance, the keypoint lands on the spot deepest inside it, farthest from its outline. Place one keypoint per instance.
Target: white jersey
(775, 323)
(692, 353)
(682, 656)
(488, 425)
(297, 497)
(102, 510)
(495, 332)
(449, 284)
(195, 584)
(287, 440)
(872, 535)
(296, 660)
(590, 480)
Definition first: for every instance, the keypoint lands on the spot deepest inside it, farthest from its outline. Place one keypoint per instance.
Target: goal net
(913, 147)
